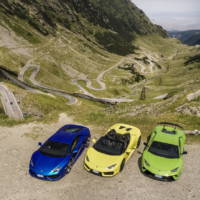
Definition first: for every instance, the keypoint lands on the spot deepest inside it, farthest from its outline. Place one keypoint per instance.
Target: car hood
(46, 163)
(101, 160)
(161, 163)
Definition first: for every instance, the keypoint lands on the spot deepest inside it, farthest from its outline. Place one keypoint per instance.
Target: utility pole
(143, 93)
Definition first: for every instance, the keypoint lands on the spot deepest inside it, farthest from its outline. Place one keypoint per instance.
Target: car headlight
(146, 163)
(174, 170)
(56, 170)
(87, 158)
(31, 163)
(111, 166)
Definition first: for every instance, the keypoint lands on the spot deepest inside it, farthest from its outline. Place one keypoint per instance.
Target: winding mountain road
(100, 77)
(72, 100)
(32, 78)
(10, 104)
(77, 76)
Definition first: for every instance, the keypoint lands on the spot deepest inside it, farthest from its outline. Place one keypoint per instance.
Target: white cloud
(172, 14)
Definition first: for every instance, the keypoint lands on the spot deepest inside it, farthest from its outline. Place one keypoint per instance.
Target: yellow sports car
(109, 154)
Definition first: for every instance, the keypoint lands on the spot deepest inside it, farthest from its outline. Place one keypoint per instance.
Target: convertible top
(123, 138)
(113, 143)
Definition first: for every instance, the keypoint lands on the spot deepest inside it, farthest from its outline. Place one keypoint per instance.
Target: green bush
(115, 43)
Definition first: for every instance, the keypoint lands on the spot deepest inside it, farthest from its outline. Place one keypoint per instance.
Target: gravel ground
(18, 143)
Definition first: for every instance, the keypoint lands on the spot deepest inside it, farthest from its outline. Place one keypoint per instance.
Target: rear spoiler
(171, 124)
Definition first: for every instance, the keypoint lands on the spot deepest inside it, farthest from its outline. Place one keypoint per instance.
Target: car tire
(122, 165)
(139, 141)
(68, 169)
(87, 144)
(148, 138)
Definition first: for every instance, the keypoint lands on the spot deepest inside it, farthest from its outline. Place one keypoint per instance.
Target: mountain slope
(66, 49)
(191, 37)
(119, 15)
(112, 24)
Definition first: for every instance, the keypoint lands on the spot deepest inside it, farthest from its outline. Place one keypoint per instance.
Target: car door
(181, 146)
(77, 147)
(130, 148)
(150, 139)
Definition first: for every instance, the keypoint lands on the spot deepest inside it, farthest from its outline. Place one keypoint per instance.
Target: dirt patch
(189, 110)
(6, 38)
(9, 40)
(16, 184)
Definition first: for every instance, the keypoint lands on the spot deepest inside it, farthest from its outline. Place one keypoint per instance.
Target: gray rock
(163, 96)
(193, 96)
(189, 110)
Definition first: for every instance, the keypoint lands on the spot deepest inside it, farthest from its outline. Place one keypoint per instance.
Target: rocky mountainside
(191, 37)
(112, 24)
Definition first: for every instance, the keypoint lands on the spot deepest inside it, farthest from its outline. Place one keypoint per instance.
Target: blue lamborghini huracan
(56, 156)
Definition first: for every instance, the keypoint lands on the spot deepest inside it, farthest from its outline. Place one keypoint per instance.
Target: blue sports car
(56, 156)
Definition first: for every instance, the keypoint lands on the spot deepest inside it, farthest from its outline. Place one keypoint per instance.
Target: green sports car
(162, 158)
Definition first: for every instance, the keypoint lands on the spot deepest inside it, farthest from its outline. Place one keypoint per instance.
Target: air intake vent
(169, 132)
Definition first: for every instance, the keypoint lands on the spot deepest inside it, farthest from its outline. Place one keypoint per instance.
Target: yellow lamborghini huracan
(109, 154)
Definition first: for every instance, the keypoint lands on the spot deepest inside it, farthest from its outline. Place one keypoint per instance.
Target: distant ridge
(190, 37)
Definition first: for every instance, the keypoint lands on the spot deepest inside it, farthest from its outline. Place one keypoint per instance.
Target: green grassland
(68, 48)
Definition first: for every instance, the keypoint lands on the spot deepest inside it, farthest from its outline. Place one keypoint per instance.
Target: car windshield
(108, 146)
(164, 150)
(72, 129)
(55, 149)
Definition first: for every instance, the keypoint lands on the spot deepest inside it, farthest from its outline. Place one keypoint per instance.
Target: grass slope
(74, 51)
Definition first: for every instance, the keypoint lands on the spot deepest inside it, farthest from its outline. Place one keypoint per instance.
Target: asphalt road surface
(10, 104)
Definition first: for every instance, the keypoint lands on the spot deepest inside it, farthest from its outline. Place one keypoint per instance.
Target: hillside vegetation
(107, 49)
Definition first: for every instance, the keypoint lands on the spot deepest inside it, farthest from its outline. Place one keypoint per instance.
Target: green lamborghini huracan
(162, 157)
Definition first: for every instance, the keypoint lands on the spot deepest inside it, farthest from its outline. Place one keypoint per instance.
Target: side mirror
(185, 152)
(128, 151)
(75, 151)
(40, 143)
(145, 143)
(94, 140)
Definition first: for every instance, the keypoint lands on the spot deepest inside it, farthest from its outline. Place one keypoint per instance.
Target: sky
(172, 14)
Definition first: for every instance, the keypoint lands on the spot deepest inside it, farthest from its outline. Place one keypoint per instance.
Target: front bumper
(46, 178)
(99, 173)
(159, 176)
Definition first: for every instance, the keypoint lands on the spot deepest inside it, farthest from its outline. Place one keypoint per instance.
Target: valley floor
(16, 148)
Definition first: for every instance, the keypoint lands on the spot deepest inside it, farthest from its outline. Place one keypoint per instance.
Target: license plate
(96, 172)
(40, 176)
(158, 176)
